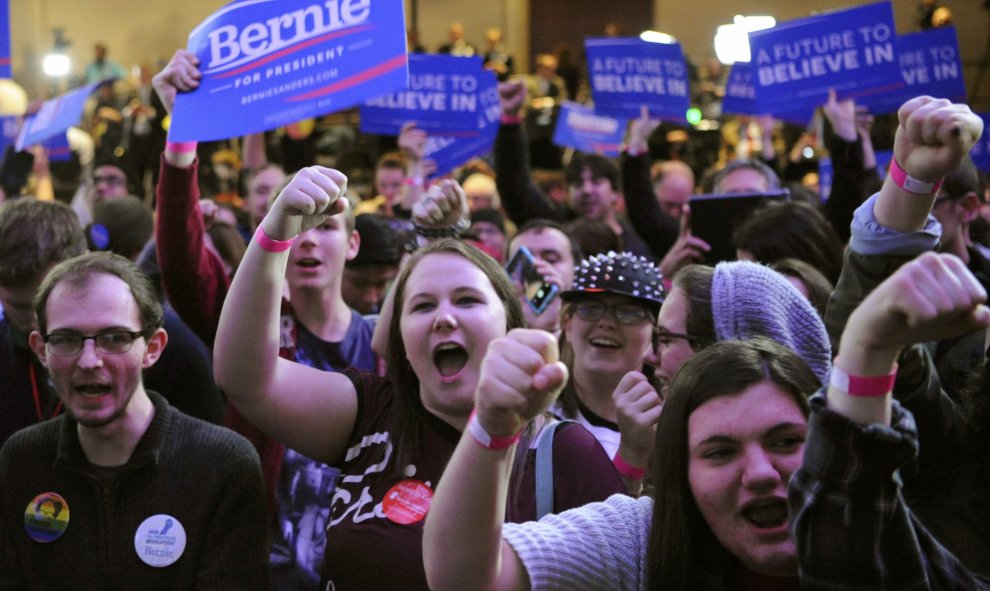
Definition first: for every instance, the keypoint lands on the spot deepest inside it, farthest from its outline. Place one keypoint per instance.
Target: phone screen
(522, 271)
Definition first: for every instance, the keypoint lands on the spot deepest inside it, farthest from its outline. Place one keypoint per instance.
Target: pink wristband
(910, 184)
(626, 469)
(862, 386)
(484, 439)
(270, 244)
(180, 147)
(511, 119)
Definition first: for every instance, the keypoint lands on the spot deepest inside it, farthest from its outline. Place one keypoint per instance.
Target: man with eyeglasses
(122, 490)
(109, 181)
(956, 206)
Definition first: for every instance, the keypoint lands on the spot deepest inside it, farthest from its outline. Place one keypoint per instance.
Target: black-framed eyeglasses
(663, 337)
(627, 314)
(112, 342)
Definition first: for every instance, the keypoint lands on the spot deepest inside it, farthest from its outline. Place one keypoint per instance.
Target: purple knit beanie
(750, 300)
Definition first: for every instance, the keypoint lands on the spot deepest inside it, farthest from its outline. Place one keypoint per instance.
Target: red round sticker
(407, 502)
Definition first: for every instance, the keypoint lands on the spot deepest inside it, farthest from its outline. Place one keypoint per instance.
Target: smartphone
(522, 270)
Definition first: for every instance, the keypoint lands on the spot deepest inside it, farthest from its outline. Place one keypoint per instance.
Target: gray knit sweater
(597, 546)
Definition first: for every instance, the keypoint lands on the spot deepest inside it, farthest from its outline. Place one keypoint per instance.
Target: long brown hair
(409, 410)
(683, 553)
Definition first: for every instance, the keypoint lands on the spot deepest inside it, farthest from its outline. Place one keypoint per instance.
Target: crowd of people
(529, 374)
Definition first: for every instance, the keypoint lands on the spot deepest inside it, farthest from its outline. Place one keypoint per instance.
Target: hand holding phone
(538, 292)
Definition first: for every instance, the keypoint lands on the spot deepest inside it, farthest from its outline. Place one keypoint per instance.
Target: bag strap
(544, 468)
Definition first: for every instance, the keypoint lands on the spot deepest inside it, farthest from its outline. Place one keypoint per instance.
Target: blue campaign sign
(627, 73)
(981, 149)
(268, 63)
(579, 127)
(55, 117)
(853, 51)
(740, 91)
(449, 151)
(740, 98)
(825, 174)
(5, 39)
(930, 64)
(58, 148)
(443, 95)
(8, 132)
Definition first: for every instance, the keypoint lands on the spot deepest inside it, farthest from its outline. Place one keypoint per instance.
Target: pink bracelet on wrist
(180, 147)
(910, 184)
(510, 119)
(626, 469)
(485, 439)
(862, 386)
(270, 244)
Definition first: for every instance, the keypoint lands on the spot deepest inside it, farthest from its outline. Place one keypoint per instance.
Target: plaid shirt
(852, 528)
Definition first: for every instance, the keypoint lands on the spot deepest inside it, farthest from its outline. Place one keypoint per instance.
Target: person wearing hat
(367, 276)
(607, 324)
(736, 300)
(489, 226)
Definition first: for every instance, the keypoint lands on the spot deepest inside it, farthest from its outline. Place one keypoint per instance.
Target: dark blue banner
(740, 98)
(268, 63)
(452, 150)
(930, 64)
(981, 150)
(8, 132)
(58, 148)
(825, 176)
(579, 127)
(5, 39)
(628, 73)
(55, 117)
(443, 95)
(853, 51)
(740, 91)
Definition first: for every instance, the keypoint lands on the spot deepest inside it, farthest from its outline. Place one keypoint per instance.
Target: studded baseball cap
(620, 273)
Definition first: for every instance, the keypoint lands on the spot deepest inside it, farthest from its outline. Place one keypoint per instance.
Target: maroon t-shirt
(368, 549)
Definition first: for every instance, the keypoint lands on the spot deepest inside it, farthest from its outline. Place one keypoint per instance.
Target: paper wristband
(626, 469)
(270, 244)
(180, 147)
(415, 181)
(910, 184)
(484, 439)
(862, 387)
(510, 119)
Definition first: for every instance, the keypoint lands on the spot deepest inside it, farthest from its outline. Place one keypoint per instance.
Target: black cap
(620, 273)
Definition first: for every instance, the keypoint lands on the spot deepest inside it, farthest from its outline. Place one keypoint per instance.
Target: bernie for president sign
(267, 63)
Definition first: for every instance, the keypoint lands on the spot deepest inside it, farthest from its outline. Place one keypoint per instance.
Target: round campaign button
(160, 540)
(46, 517)
(407, 502)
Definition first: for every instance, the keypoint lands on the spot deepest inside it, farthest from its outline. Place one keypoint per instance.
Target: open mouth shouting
(308, 263)
(767, 515)
(450, 360)
(93, 390)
